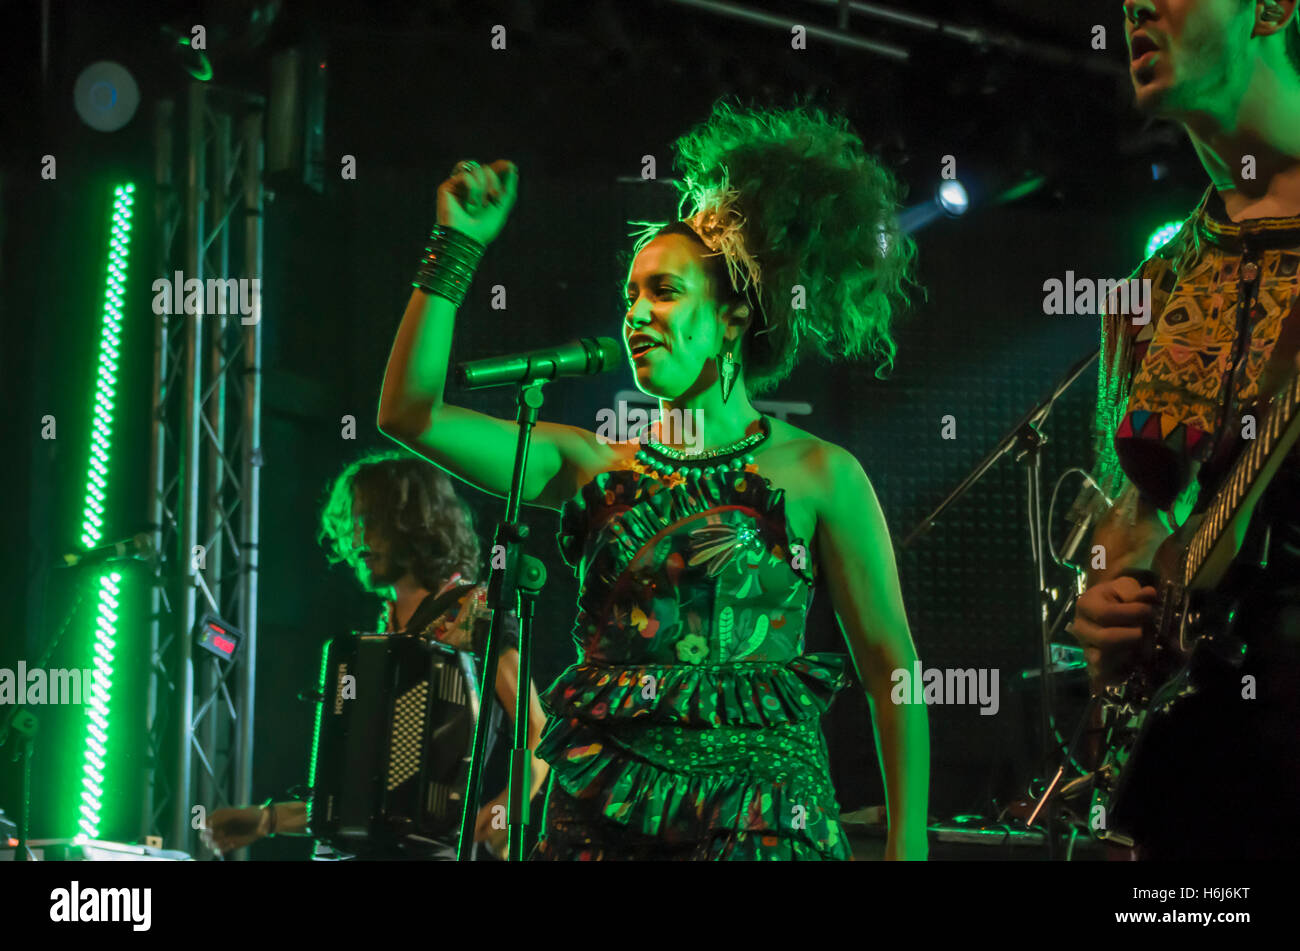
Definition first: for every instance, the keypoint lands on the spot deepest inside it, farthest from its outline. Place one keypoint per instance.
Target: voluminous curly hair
(818, 214)
(413, 505)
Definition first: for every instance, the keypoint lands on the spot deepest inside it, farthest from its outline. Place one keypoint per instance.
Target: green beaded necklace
(734, 457)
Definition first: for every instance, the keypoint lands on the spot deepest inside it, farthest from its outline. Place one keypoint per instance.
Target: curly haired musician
(399, 524)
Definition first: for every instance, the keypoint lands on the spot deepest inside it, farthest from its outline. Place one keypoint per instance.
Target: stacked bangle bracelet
(448, 264)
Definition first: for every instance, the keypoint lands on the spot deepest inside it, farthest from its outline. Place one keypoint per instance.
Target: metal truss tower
(205, 458)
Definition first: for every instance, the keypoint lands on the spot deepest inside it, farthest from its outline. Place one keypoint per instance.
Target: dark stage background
(582, 92)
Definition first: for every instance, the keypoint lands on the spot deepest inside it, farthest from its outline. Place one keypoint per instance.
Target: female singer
(690, 727)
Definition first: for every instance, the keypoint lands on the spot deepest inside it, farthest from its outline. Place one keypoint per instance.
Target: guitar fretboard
(1280, 422)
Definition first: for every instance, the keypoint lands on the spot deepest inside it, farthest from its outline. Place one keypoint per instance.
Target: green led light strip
(94, 765)
(94, 761)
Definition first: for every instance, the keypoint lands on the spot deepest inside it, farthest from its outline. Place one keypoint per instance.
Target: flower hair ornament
(717, 221)
(720, 225)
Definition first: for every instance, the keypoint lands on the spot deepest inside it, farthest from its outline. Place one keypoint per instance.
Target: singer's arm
(473, 446)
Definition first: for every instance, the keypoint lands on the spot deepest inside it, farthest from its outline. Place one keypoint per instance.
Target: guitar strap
(1225, 448)
(1277, 369)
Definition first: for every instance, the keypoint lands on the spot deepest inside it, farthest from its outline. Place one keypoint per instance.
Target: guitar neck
(1246, 481)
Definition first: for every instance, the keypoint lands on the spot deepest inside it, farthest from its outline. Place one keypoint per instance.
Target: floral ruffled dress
(690, 727)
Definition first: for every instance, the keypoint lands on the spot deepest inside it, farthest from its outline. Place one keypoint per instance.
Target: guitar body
(1152, 721)
(1191, 656)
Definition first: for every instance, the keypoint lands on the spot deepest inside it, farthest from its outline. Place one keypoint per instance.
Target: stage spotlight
(952, 198)
(106, 96)
(1161, 236)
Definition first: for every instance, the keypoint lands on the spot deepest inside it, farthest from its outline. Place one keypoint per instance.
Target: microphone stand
(1027, 441)
(531, 578)
(503, 594)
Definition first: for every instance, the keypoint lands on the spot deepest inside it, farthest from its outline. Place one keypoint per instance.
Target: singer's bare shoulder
(810, 460)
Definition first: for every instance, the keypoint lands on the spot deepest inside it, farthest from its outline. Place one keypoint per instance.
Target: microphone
(138, 546)
(585, 357)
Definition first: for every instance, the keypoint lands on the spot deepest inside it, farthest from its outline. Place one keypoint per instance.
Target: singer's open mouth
(1139, 45)
(640, 344)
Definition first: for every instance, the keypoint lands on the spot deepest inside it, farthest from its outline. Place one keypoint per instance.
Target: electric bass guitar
(1192, 645)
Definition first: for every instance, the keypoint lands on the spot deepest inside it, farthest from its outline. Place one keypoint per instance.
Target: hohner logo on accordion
(343, 684)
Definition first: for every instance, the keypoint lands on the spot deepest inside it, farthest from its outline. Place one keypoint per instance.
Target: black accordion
(394, 733)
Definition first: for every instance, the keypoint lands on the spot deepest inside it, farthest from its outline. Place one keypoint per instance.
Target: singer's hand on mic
(478, 202)
(1109, 619)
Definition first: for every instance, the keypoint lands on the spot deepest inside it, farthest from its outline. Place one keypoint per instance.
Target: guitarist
(1175, 402)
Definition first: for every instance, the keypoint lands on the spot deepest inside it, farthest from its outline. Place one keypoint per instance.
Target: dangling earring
(728, 370)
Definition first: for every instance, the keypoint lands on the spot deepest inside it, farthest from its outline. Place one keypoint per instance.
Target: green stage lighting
(94, 767)
(1161, 236)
